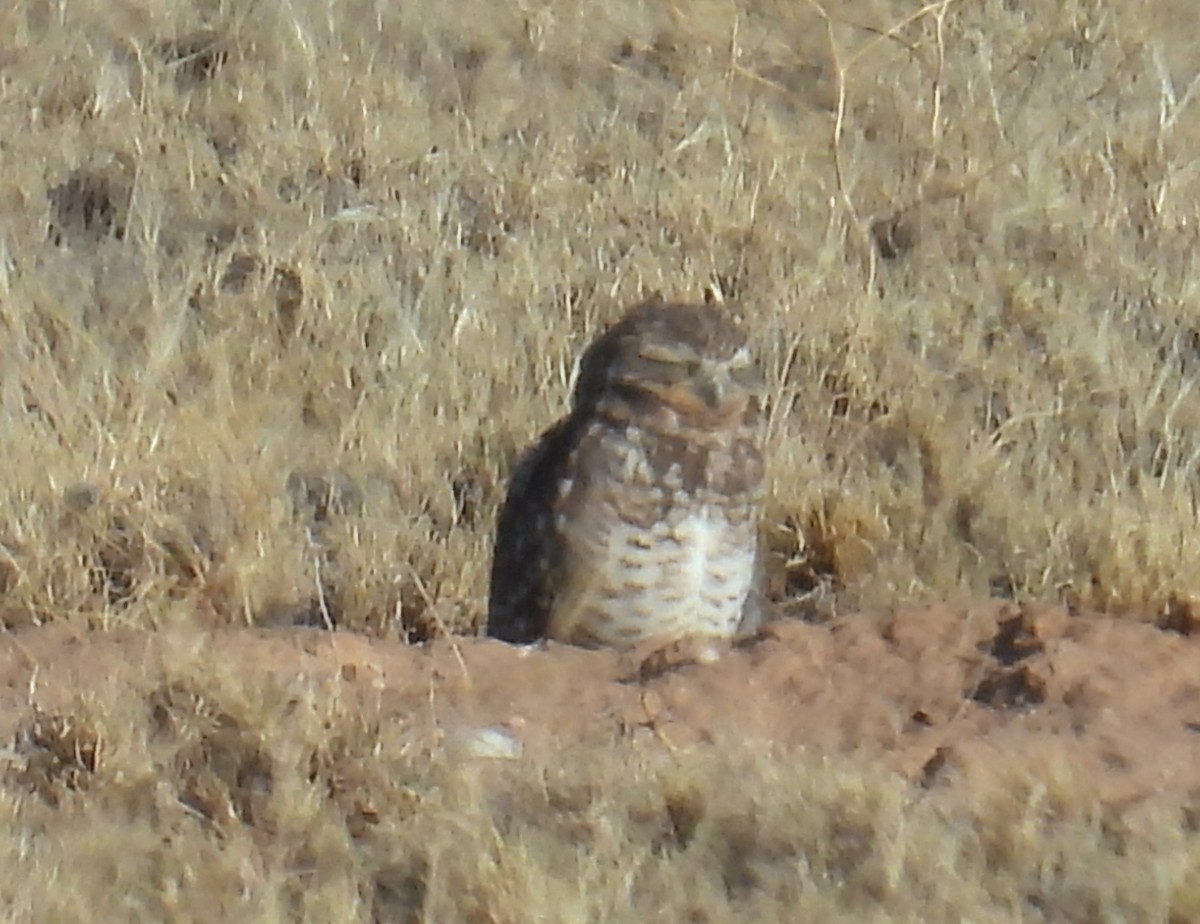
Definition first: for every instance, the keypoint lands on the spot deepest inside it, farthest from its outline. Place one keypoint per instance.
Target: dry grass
(202, 796)
(283, 288)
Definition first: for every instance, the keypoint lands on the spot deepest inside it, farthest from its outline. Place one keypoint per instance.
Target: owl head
(688, 360)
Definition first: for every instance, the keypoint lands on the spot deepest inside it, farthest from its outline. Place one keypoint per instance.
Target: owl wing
(528, 554)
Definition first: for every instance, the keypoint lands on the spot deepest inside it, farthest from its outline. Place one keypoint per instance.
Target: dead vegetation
(849, 771)
(283, 289)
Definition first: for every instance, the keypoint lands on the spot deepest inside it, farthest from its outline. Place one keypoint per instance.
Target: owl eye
(663, 353)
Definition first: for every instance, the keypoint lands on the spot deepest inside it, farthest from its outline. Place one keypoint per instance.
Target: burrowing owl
(636, 515)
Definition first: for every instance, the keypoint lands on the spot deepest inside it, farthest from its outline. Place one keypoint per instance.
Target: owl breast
(656, 559)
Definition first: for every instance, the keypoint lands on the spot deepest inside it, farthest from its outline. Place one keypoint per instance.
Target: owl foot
(654, 658)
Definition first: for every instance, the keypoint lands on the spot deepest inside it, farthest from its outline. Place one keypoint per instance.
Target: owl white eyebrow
(741, 357)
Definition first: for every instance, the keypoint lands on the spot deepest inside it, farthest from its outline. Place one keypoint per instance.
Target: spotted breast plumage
(635, 516)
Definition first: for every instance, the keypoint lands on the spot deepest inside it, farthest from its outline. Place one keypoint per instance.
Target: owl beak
(717, 390)
(712, 391)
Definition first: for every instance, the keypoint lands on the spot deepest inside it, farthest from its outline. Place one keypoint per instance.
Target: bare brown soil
(956, 698)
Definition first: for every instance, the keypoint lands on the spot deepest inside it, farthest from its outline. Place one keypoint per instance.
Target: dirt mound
(949, 697)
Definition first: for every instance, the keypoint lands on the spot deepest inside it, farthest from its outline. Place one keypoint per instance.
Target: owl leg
(754, 607)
